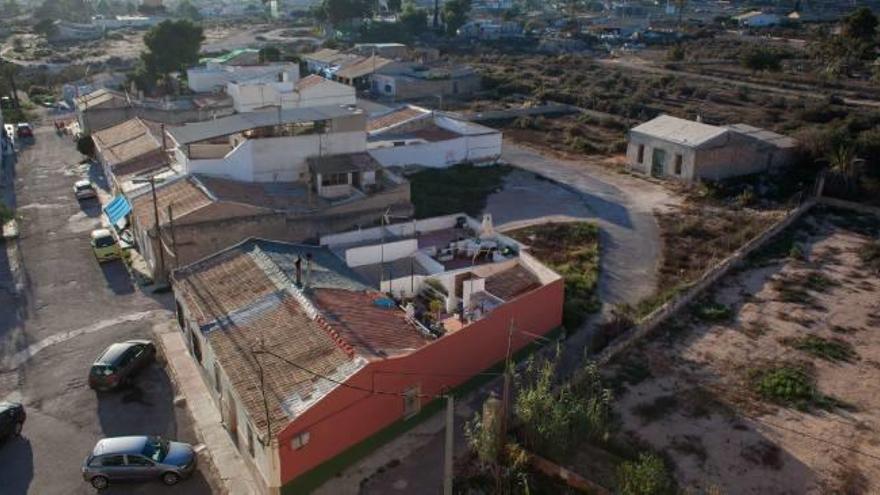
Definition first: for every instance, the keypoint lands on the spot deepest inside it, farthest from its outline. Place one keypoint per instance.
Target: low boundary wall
(659, 315)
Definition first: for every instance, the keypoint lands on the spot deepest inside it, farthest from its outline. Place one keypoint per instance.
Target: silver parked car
(140, 458)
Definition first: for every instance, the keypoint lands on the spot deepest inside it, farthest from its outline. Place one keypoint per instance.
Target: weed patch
(791, 385)
(460, 188)
(572, 250)
(827, 349)
(711, 312)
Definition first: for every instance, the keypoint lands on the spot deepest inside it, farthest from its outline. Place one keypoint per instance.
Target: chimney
(308, 270)
(164, 144)
(298, 265)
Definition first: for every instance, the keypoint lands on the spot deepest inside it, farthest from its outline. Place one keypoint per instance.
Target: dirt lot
(771, 384)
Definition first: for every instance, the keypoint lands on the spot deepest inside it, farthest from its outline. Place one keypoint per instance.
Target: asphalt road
(59, 313)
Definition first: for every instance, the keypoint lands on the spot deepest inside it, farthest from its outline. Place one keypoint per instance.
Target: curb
(212, 474)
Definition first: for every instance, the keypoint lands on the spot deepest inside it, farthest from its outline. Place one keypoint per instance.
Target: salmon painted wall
(347, 416)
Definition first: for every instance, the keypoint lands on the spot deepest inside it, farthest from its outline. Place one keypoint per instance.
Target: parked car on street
(10, 132)
(104, 245)
(118, 364)
(24, 130)
(138, 458)
(12, 416)
(84, 189)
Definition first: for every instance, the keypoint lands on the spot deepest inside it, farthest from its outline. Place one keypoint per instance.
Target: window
(136, 460)
(641, 157)
(412, 403)
(113, 461)
(388, 89)
(334, 179)
(678, 164)
(399, 143)
(250, 439)
(299, 441)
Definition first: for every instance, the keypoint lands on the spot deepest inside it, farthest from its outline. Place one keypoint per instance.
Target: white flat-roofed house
(310, 91)
(412, 135)
(215, 76)
(672, 147)
(757, 18)
(268, 146)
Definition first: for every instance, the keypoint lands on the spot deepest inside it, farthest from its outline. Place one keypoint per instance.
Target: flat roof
(200, 131)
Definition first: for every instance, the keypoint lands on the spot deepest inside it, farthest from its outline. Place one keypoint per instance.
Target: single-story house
(672, 147)
(412, 80)
(311, 359)
(133, 147)
(412, 135)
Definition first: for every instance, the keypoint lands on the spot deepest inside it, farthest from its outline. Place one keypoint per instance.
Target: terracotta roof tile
(184, 195)
(393, 118)
(371, 330)
(126, 141)
(244, 302)
(512, 282)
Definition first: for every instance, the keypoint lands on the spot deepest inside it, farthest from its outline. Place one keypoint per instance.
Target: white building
(672, 147)
(217, 75)
(126, 21)
(757, 18)
(311, 91)
(269, 146)
(412, 135)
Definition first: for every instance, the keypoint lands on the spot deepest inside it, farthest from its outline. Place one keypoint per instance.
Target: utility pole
(173, 237)
(505, 391)
(152, 181)
(158, 229)
(447, 454)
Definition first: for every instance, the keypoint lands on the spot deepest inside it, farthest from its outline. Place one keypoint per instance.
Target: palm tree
(846, 165)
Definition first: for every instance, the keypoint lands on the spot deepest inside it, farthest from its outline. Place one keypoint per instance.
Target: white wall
(236, 165)
(390, 251)
(439, 154)
(212, 77)
(399, 229)
(277, 159)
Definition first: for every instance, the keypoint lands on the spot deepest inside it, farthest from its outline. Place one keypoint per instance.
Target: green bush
(711, 311)
(645, 476)
(787, 385)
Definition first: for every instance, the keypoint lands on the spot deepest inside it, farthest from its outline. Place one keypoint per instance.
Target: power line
(345, 384)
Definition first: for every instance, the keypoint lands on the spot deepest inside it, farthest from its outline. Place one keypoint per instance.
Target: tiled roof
(323, 55)
(370, 329)
(512, 282)
(246, 303)
(102, 98)
(288, 196)
(363, 67)
(144, 163)
(184, 195)
(311, 81)
(126, 141)
(395, 117)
